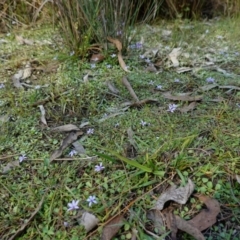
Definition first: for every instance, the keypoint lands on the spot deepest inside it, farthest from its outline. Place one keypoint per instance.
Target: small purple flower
(119, 33)
(158, 87)
(91, 200)
(143, 123)
(2, 85)
(210, 80)
(99, 168)
(73, 205)
(147, 60)
(108, 65)
(113, 55)
(172, 107)
(151, 82)
(141, 56)
(176, 80)
(138, 45)
(65, 224)
(90, 131)
(93, 65)
(22, 158)
(72, 153)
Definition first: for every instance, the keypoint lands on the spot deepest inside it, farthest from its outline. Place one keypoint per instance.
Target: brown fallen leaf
(151, 68)
(130, 89)
(179, 195)
(112, 87)
(208, 87)
(65, 128)
(111, 229)
(188, 228)
(122, 63)
(89, 221)
(23, 41)
(175, 53)
(187, 108)
(43, 113)
(116, 42)
(9, 166)
(72, 137)
(168, 95)
(207, 217)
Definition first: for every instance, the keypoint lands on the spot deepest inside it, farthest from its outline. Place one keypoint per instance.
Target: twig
(129, 88)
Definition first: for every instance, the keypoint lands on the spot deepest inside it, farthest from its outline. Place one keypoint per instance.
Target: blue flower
(90, 131)
(72, 153)
(172, 107)
(99, 168)
(73, 205)
(210, 80)
(91, 200)
(22, 158)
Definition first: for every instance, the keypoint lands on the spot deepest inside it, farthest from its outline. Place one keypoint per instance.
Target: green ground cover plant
(118, 155)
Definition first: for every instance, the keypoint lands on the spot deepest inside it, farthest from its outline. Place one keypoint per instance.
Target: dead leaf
(23, 41)
(112, 87)
(130, 89)
(168, 95)
(79, 147)
(96, 58)
(27, 72)
(65, 128)
(183, 69)
(174, 55)
(207, 217)
(116, 42)
(158, 219)
(230, 87)
(43, 113)
(208, 87)
(131, 139)
(27, 222)
(179, 195)
(188, 108)
(122, 63)
(189, 228)
(85, 78)
(112, 227)
(89, 221)
(71, 137)
(9, 166)
(16, 79)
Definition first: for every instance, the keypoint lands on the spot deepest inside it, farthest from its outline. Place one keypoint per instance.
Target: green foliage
(86, 22)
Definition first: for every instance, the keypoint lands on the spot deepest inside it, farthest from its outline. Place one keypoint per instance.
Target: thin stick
(130, 89)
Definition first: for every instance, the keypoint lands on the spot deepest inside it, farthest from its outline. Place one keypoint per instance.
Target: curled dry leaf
(183, 69)
(65, 128)
(130, 89)
(179, 195)
(168, 95)
(89, 221)
(116, 42)
(43, 113)
(71, 137)
(188, 228)
(174, 55)
(112, 227)
(79, 147)
(122, 63)
(208, 87)
(188, 108)
(207, 217)
(112, 87)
